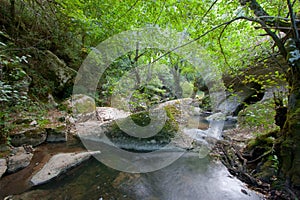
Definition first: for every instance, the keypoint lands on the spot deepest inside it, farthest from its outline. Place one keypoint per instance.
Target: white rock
(59, 164)
(109, 113)
(3, 166)
(33, 123)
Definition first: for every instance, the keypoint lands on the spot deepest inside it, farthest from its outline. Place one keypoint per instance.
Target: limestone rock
(107, 131)
(3, 166)
(108, 113)
(59, 164)
(32, 136)
(19, 160)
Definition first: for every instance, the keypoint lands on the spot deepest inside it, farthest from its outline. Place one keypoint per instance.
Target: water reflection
(188, 178)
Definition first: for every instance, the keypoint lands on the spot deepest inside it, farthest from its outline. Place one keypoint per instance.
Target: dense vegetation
(37, 37)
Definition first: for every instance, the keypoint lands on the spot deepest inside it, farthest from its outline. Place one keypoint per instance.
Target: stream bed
(188, 178)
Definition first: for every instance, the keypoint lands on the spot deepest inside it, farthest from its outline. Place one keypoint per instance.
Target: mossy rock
(82, 104)
(264, 140)
(57, 133)
(31, 136)
(143, 119)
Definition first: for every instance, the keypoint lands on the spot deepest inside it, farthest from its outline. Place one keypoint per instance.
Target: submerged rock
(19, 160)
(57, 165)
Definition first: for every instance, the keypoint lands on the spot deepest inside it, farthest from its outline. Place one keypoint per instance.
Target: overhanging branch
(276, 39)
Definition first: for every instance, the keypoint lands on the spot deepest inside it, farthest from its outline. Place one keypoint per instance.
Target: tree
(87, 23)
(289, 47)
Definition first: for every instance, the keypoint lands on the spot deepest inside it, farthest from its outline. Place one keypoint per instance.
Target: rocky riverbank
(194, 131)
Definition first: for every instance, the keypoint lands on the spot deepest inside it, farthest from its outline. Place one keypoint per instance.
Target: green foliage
(71, 28)
(275, 162)
(260, 115)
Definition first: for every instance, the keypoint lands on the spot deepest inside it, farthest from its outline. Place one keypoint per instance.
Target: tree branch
(160, 12)
(294, 25)
(220, 44)
(263, 20)
(276, 39)
(209, 9)
(255, 7)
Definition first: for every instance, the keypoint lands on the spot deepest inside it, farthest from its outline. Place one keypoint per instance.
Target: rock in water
(57, 134)
(57, 165)
(3, 167)
(19, 160)
(31, 136)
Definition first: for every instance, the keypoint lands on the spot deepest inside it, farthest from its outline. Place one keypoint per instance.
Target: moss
(171, 123)
(264, 140)
(85, 107)
(81, 104)
(143, 119)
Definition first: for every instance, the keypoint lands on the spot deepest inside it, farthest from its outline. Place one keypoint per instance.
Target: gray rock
(108, 113)
(3, 166)
(57, 134)
(233, 102)
(216, 117)
(81, 106)
(58, 165)
(4, 147)
(32, 136)
(55, 70)
(19, 160)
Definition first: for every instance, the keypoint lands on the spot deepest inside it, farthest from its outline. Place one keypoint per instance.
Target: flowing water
(188, 178)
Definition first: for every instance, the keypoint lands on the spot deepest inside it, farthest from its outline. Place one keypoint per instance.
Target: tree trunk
(290, 138)
(176, 76)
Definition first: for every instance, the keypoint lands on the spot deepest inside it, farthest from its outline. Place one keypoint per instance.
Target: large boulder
(242, 94)
(248, 85)
(105, 114)
(118, 127)
(56, 71)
